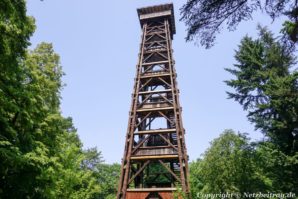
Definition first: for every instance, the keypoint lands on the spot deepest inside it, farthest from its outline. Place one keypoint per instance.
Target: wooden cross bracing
(155, 158)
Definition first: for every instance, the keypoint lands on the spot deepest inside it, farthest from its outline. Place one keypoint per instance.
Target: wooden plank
(157, 147)
(153, 189)
(155, 92)
(153, 157)
(154, 152)
(160, 74)
(156, 14)
(155, 109)
(153, 63)
(156, 131)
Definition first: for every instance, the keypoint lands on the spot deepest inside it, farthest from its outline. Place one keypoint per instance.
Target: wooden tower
(154, 164)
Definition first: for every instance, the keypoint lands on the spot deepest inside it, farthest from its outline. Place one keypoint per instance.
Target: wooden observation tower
(155, 159)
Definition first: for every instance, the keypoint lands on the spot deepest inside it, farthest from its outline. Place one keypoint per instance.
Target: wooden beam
(140, 144)
(155, 75)
(155, 131)
(169, 85)
(155, 109)
(156, 147)
(169, 170)
(155, 92)
(153, 157)
(165, 139)
(147, 97)
(142, 120)
(145, 83)
(152, 189)
(166, 99)
(168, 119)
(139, 171)
(158, 62)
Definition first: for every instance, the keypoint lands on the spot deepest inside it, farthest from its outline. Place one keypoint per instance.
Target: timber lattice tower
(155, 159)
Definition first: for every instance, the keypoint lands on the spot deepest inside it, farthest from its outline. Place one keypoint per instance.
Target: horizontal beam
(149, 157)
(157, 147)
(156, 33)
(155, 109)
(155, 131)
(153, 189)
(158, 49)
(159, 74)
(155, 92)
(154, 63)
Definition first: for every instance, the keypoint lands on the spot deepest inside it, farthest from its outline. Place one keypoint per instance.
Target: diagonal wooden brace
(138, 172)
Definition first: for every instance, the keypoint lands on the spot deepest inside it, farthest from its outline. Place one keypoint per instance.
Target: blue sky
(98, 42)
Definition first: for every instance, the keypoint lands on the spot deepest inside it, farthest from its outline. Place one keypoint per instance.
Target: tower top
(155, 13)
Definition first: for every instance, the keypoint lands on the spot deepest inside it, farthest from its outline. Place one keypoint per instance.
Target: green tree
(195, 177)
(64, 176)
(107, 177)
(40, 153)
(229, 165)
(15, 29)
(205, 18)
(278, 167)
(32, 103)
(92, 159)
(266, 87)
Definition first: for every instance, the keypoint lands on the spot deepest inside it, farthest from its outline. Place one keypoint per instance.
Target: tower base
(149, 195)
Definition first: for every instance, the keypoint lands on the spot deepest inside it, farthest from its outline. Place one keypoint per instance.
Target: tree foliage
(278, 167)
(107, 177)
(15, 29)
(265, 84)
(41, 154)
(229, 165)
(205, 18)
(267, 87)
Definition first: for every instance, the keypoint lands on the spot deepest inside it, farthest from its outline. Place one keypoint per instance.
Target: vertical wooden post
(159, 149)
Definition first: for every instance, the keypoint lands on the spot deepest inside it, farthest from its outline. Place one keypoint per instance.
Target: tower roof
(156, 12)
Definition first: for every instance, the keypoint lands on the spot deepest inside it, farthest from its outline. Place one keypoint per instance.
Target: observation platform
(157, 13)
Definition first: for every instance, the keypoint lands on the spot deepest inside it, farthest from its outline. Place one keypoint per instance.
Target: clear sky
(98, 42)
